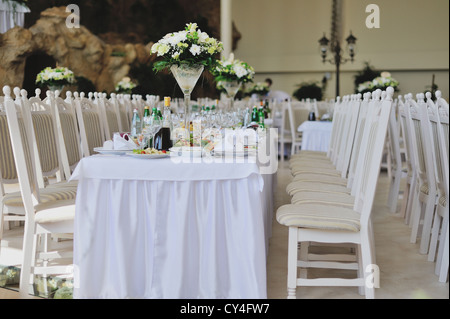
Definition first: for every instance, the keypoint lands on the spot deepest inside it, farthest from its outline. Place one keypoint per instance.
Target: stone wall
(77, 48)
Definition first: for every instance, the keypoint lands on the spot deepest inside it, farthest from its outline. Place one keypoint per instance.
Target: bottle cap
(167, 101)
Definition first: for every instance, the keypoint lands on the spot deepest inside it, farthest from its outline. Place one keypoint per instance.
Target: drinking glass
(153, 128)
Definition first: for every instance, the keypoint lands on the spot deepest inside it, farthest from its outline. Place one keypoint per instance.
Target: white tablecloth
(152, 228)
(315, 135)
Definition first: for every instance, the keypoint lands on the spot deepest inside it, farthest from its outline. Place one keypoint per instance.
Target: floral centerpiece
(125, 86)
(186, 53)
(189, 47)
(230, 74)
(55, 78)
(258, 88)
(233, 70)
(382, 82)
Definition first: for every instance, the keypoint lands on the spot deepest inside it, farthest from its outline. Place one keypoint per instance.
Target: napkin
(108, 145)
(123, 143)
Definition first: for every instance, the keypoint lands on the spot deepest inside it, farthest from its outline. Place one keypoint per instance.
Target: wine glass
(154, 126)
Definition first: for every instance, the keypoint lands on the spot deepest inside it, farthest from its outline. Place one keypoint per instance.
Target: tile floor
(405, 274)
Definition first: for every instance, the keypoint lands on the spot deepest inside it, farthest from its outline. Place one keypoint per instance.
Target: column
(226, 28)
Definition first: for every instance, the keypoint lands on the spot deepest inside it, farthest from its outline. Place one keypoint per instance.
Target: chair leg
(405, 200)
(411, 202)
(415, 219)
(430, 208)
(360, 271)
(370, 279)
(443, 246)
(25, 273)
(434, 237)
(443, 272)
(292, 263)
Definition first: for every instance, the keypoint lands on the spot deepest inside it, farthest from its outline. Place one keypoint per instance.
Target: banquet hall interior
(224, 149)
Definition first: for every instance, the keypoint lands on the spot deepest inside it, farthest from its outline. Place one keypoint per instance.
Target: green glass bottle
(261, 117)
(255, 116)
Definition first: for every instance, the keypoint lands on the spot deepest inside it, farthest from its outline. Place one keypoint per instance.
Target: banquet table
(172, 227)
(315, 135)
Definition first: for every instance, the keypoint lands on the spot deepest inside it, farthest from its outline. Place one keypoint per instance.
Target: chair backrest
(438, 125)
(377, 125)
(23, 159)
(421, 138)
(90, 124)
(407, 140)
(343, 161)
(373, 106)
(43, 136)
(110, 116)
(8, 173)
(394, 139)
(122, 111)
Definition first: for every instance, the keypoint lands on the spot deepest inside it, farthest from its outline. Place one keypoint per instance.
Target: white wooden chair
(411, 175)
(90, 124)
(291, 118)
(395, 162)
(333, 224)
(426, 188)
(122, 111)
(46, 210)
(438, 115)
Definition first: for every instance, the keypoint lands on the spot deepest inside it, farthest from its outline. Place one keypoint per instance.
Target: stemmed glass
(155, 125)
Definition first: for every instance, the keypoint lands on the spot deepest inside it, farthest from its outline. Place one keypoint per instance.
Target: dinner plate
(148, 156)
(237, 154)
(102, 150)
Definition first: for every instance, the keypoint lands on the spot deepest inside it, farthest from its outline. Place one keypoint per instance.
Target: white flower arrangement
(233, 70)
(259, 88)
(382, 82)
(190, 46)
(55, 77)
(125, 86)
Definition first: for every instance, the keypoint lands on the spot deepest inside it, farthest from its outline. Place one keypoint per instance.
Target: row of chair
(42, 139)
(332, 196)
(423, 124)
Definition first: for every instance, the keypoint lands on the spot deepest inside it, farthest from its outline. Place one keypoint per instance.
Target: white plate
(148, 156)
(102, 150)
(237, 154)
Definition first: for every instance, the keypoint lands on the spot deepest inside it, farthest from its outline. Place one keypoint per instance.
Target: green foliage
(366, 74)
(308, 90)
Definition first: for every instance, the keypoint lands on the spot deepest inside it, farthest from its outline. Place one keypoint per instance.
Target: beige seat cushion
(296, 187)
(309, 153)
(310, 163)
(315, 170)
(311, 197)
(55, 214)
(443, 201)
(64, 184)
(310, 177)
(317, 216)
(49, 198)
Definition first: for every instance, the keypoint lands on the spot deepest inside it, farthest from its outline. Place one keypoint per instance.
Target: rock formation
(76, 48)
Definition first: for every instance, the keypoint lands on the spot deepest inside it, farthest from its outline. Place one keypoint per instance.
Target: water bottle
(135, 124)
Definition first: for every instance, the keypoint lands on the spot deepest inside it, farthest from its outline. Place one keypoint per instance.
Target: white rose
(195, 50)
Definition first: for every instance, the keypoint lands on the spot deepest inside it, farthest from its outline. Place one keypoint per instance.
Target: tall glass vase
(187, 77)
(232, 87)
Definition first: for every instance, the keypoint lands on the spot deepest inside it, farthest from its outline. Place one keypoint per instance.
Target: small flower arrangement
(190, 46)
(125, 86)
(58, 76)
(382, 82)
(233, 70)
(258, 88)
